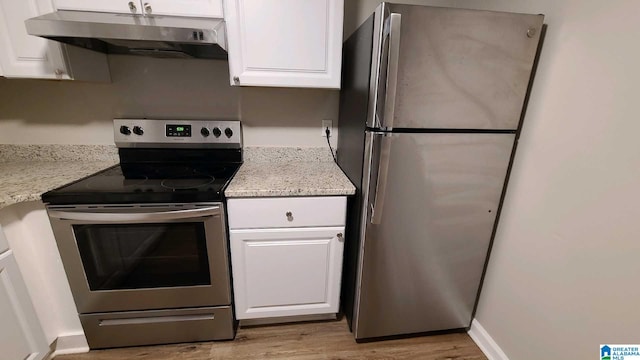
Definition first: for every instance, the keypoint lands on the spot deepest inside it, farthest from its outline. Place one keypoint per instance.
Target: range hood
(157, 36)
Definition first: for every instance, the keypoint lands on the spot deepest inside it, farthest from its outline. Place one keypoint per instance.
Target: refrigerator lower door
(430, 213)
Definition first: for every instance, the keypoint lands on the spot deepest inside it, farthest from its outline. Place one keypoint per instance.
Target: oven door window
(135, 256)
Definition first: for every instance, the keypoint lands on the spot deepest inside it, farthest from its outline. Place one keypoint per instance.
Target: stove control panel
(149, 133)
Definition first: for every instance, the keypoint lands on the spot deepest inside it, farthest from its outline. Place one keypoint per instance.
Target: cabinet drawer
(286, 212)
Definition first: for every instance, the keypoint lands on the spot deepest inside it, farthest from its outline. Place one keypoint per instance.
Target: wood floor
(330, 340)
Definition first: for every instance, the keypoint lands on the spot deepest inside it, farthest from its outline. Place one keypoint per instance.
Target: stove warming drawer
(134, 328)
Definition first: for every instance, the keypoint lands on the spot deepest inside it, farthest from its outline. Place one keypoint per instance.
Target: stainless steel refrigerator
(430, 111)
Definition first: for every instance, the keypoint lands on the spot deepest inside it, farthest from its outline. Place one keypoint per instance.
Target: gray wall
(70, 112)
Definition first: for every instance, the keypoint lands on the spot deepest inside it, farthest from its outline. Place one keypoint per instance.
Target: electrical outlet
(327, 124)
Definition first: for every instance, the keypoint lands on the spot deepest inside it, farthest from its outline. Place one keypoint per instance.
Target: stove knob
(125, 130)
(228, 132)
(204, 131)
(138, 130)
(217, 132)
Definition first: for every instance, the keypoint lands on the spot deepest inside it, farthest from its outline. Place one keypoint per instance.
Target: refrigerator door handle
(393, 57)
(381, 179)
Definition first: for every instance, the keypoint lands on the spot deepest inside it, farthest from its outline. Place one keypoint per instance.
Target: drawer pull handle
(289, 215)
(155, 319)
(340, 237)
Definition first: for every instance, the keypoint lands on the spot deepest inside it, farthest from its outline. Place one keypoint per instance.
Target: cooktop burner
(186, 184)
(102, 183)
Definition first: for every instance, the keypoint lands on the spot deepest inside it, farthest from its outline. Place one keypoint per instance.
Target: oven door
(142, 257)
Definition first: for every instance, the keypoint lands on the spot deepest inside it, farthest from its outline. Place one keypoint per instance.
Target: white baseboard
(485, 342)
(70, 344)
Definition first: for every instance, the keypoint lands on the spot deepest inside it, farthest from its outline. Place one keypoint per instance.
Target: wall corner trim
(70, 344)
(485, 342)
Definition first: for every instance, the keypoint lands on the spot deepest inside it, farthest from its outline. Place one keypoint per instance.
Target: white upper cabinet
(195, 8)
(26, 56)
(285, 43)
(114, 6)
(22, 55)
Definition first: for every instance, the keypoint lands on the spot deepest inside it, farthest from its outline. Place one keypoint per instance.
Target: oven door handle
(134, 217)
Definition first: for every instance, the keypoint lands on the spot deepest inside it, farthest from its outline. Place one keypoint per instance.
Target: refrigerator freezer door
(427, 234)
(456, 68)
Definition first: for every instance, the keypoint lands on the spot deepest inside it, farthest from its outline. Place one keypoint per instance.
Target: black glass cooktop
(146, 183)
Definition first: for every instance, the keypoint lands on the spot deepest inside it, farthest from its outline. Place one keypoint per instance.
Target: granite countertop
(27, 171)
(288, 172)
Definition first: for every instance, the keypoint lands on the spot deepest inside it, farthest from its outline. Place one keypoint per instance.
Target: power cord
(327, 132)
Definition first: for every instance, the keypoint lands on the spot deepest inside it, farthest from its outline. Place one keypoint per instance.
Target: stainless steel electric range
(144, 243)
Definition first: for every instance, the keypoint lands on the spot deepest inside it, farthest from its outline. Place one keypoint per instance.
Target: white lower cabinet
(290, 269)
(286, 272)
(21, 336)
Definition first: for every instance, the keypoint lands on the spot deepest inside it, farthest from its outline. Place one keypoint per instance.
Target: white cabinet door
(21, 336)
(286, 272)
(113, 6)
(22, 55)
(195, 8)
(285, 43)
(26, 56)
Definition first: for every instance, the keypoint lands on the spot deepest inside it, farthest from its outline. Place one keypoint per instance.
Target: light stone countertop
(27, 171)
(272, 172)
(257, 179)
(22, 181)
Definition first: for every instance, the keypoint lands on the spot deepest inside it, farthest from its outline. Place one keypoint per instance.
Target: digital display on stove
(178, 131)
